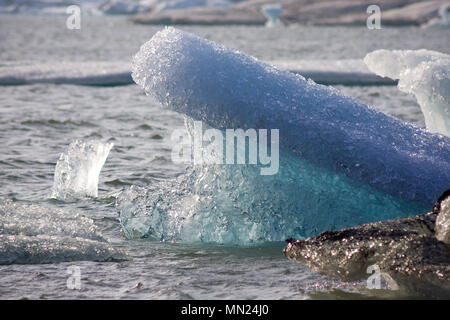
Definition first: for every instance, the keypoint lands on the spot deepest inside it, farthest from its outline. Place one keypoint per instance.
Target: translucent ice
(272, 12)
(341, 162)
(32, 233)
(424, 73)
(77, 170)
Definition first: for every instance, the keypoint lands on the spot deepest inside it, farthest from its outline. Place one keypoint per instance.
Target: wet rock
(443, 219)
(413, 251)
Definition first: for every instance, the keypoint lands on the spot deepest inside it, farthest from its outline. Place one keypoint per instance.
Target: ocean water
(38, 122)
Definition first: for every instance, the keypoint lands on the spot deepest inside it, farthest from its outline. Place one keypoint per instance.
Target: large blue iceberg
(341, 162)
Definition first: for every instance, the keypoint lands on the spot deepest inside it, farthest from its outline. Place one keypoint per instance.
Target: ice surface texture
(341, 162)
(424, 73)
(77, 170)
(32, 233)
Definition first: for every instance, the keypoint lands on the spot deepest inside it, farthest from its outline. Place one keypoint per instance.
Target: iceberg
(272, 12)
(342, 163)
(423, 73)
(77, 170)
(186, 4)
(443, 21)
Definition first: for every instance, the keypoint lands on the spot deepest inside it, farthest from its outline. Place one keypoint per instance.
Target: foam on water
(33, 233)
(78, 169)
(341, 162)
(423, 73)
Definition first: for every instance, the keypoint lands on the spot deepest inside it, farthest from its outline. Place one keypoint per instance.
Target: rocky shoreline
(412, 254)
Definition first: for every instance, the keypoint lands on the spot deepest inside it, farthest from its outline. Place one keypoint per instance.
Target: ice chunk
(272, 12)
(228, 89)
(424, 73)
(234, 204)
(187, 4)
(77, 170)
(33, 233)
(341, 162)
(443, 21)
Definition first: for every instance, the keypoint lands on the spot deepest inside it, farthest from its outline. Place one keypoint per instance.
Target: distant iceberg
(77, 170)
(443, 21)
(424, 73)
(185, 4)
(272, 13)
(118, 7)
(81, 73)
(47, 7)
(341, 162)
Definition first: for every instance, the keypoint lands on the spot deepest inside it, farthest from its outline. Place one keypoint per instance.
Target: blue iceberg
(341, 163)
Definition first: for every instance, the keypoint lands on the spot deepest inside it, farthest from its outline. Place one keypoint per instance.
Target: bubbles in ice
(341, 162)
(227, 89)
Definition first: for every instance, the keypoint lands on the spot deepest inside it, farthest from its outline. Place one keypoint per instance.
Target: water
(38, 122)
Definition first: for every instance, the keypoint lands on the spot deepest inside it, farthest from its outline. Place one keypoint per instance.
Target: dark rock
(409, 250)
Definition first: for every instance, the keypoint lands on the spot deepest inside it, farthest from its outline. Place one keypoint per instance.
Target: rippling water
(37, 123)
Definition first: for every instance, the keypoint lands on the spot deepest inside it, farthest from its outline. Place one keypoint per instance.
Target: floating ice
(187, 4)
(424, 73)
(443, 21)
(32, 233)
(77, 170)
(126, 7)
(81, 73)
(341, 162)
(346, 71)
(272, 12)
